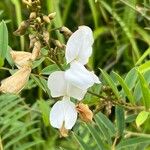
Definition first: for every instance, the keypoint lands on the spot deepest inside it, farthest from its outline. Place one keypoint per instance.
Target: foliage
(121, 104)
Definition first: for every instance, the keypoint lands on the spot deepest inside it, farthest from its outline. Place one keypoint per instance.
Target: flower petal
(79, 45)
(63, 111)
(75, 92)
(79, 76)
(57, 84)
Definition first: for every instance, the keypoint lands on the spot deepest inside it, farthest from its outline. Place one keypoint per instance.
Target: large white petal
(79, 45)
(57, 84)
(63, 111)
(79, 76)
(75, 92)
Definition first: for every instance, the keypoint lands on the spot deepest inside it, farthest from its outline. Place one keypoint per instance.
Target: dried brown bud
(36, 50)
(84, 112)
(29, 3)
(32, 15)
(38, 19)
(21, 58)
(22, 28)
(63, 131)
(52, 15)
(46, 36)
(58, 44)
(16, 82)
(65, 31)
(32, 40)
(46, 19)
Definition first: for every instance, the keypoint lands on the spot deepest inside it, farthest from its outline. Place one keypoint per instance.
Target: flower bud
(58, 44)
(32, 15)
(21, 58)
(46, 19)
(27, 2)
(36, 50)
(52, 15)
(15, 83)
(38, 19)
(84, 112)
(22, 28)
(32, 40)
(65, 31)
(46, 36)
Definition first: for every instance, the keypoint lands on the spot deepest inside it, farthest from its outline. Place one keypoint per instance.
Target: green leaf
(145, 91)
(144, 67)
(44, 108)
(111, 83)
(49, 69)
(129, 80)
(103, 130)
(81, 142)
(1, 62)
(132, 142)
(141, 118)
(3, 40)
(37, 62)
(38, 82)
(120, 120)
(125, 88)
(96, 136)
(107, 123)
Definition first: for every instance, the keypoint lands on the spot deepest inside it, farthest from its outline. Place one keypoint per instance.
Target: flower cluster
(73, 82)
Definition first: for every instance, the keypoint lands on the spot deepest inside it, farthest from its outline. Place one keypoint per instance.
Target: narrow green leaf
(111, 83)
(107, 123)
(120, 120)
(3, 40)
(125, 88)
(105, 132)
(44, 108)
(37, 62)
(141, 118)
(144, 67)
(145, 91)
(126, 143)
(1, 62)
(49, 69)
(81, 142)
(96, 136)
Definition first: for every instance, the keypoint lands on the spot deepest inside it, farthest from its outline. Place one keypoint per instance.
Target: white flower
(59, 86)
(63, 114)
(80, 77)
(79, 45)
(73, 82)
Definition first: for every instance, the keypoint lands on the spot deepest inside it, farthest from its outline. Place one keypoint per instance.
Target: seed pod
(46, 36)
(84, 112)
(32, 15)
(22, 28)
(36, 50)
(21, 58)
(65, 31)
(46, 19)
(15, 83)
(52, 15)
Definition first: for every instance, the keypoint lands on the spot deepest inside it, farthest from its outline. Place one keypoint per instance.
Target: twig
(129, 133)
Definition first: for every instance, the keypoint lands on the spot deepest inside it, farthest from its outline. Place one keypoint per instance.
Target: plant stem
(1, 145)
(129, 133)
